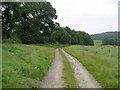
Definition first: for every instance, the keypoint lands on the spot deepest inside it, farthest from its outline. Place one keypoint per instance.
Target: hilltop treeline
(33, 23)
(106, 35)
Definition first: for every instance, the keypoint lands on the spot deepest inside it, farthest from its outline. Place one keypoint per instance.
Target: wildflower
(35, 68)
(38, 68)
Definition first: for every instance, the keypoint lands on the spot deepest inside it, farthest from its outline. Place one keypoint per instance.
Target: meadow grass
(101, 62)
(24, 66)
(0, 66)
(68, 74)
(97, 42)
(54, 45)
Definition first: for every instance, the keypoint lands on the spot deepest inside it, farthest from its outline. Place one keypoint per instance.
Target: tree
(26, 18)
(32, 23)
(78, 37)
(65, 37)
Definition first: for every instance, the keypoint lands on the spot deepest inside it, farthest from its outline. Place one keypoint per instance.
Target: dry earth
(53, 78)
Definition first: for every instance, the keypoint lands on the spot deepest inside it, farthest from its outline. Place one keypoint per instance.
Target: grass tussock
(24, 66)
(101, 62)
(68, 74)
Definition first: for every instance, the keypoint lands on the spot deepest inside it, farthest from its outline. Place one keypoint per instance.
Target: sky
(91, 16)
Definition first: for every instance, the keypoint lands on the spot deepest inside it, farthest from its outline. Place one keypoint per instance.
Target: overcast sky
(91, 16)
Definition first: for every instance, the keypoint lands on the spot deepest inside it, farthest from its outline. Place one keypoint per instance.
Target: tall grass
(101, 61)
(24, 66)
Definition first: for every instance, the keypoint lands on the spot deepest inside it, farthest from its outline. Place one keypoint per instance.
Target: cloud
(92, 16)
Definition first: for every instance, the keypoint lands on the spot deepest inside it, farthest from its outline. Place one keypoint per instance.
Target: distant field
(97, 42)
(101, 61)
(25, 65)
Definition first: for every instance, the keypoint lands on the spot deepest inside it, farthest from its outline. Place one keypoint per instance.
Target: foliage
(106, 35)
(61, 36)
(32, 23)
(64, 35)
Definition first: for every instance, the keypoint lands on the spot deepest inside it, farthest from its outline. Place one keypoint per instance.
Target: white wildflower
(35, 68)
(38, 68)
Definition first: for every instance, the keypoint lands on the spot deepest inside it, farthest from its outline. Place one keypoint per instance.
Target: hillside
(101, 36)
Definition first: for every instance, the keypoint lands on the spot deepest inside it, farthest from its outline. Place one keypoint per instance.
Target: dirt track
(82, 76)
(53, 78)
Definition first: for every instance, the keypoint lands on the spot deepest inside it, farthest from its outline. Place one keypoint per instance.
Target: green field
(25, 65)
(101, 62)
(97, 42)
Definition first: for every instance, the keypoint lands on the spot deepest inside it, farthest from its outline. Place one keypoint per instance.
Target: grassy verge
(24, 66)
(68, 74)
(101, 62)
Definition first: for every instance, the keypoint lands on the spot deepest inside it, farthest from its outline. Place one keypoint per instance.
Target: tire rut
(82, 76)
(53, 78)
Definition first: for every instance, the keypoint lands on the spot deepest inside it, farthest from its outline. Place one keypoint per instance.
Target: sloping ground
(53, 78)
(83, 77)
(108, 35)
